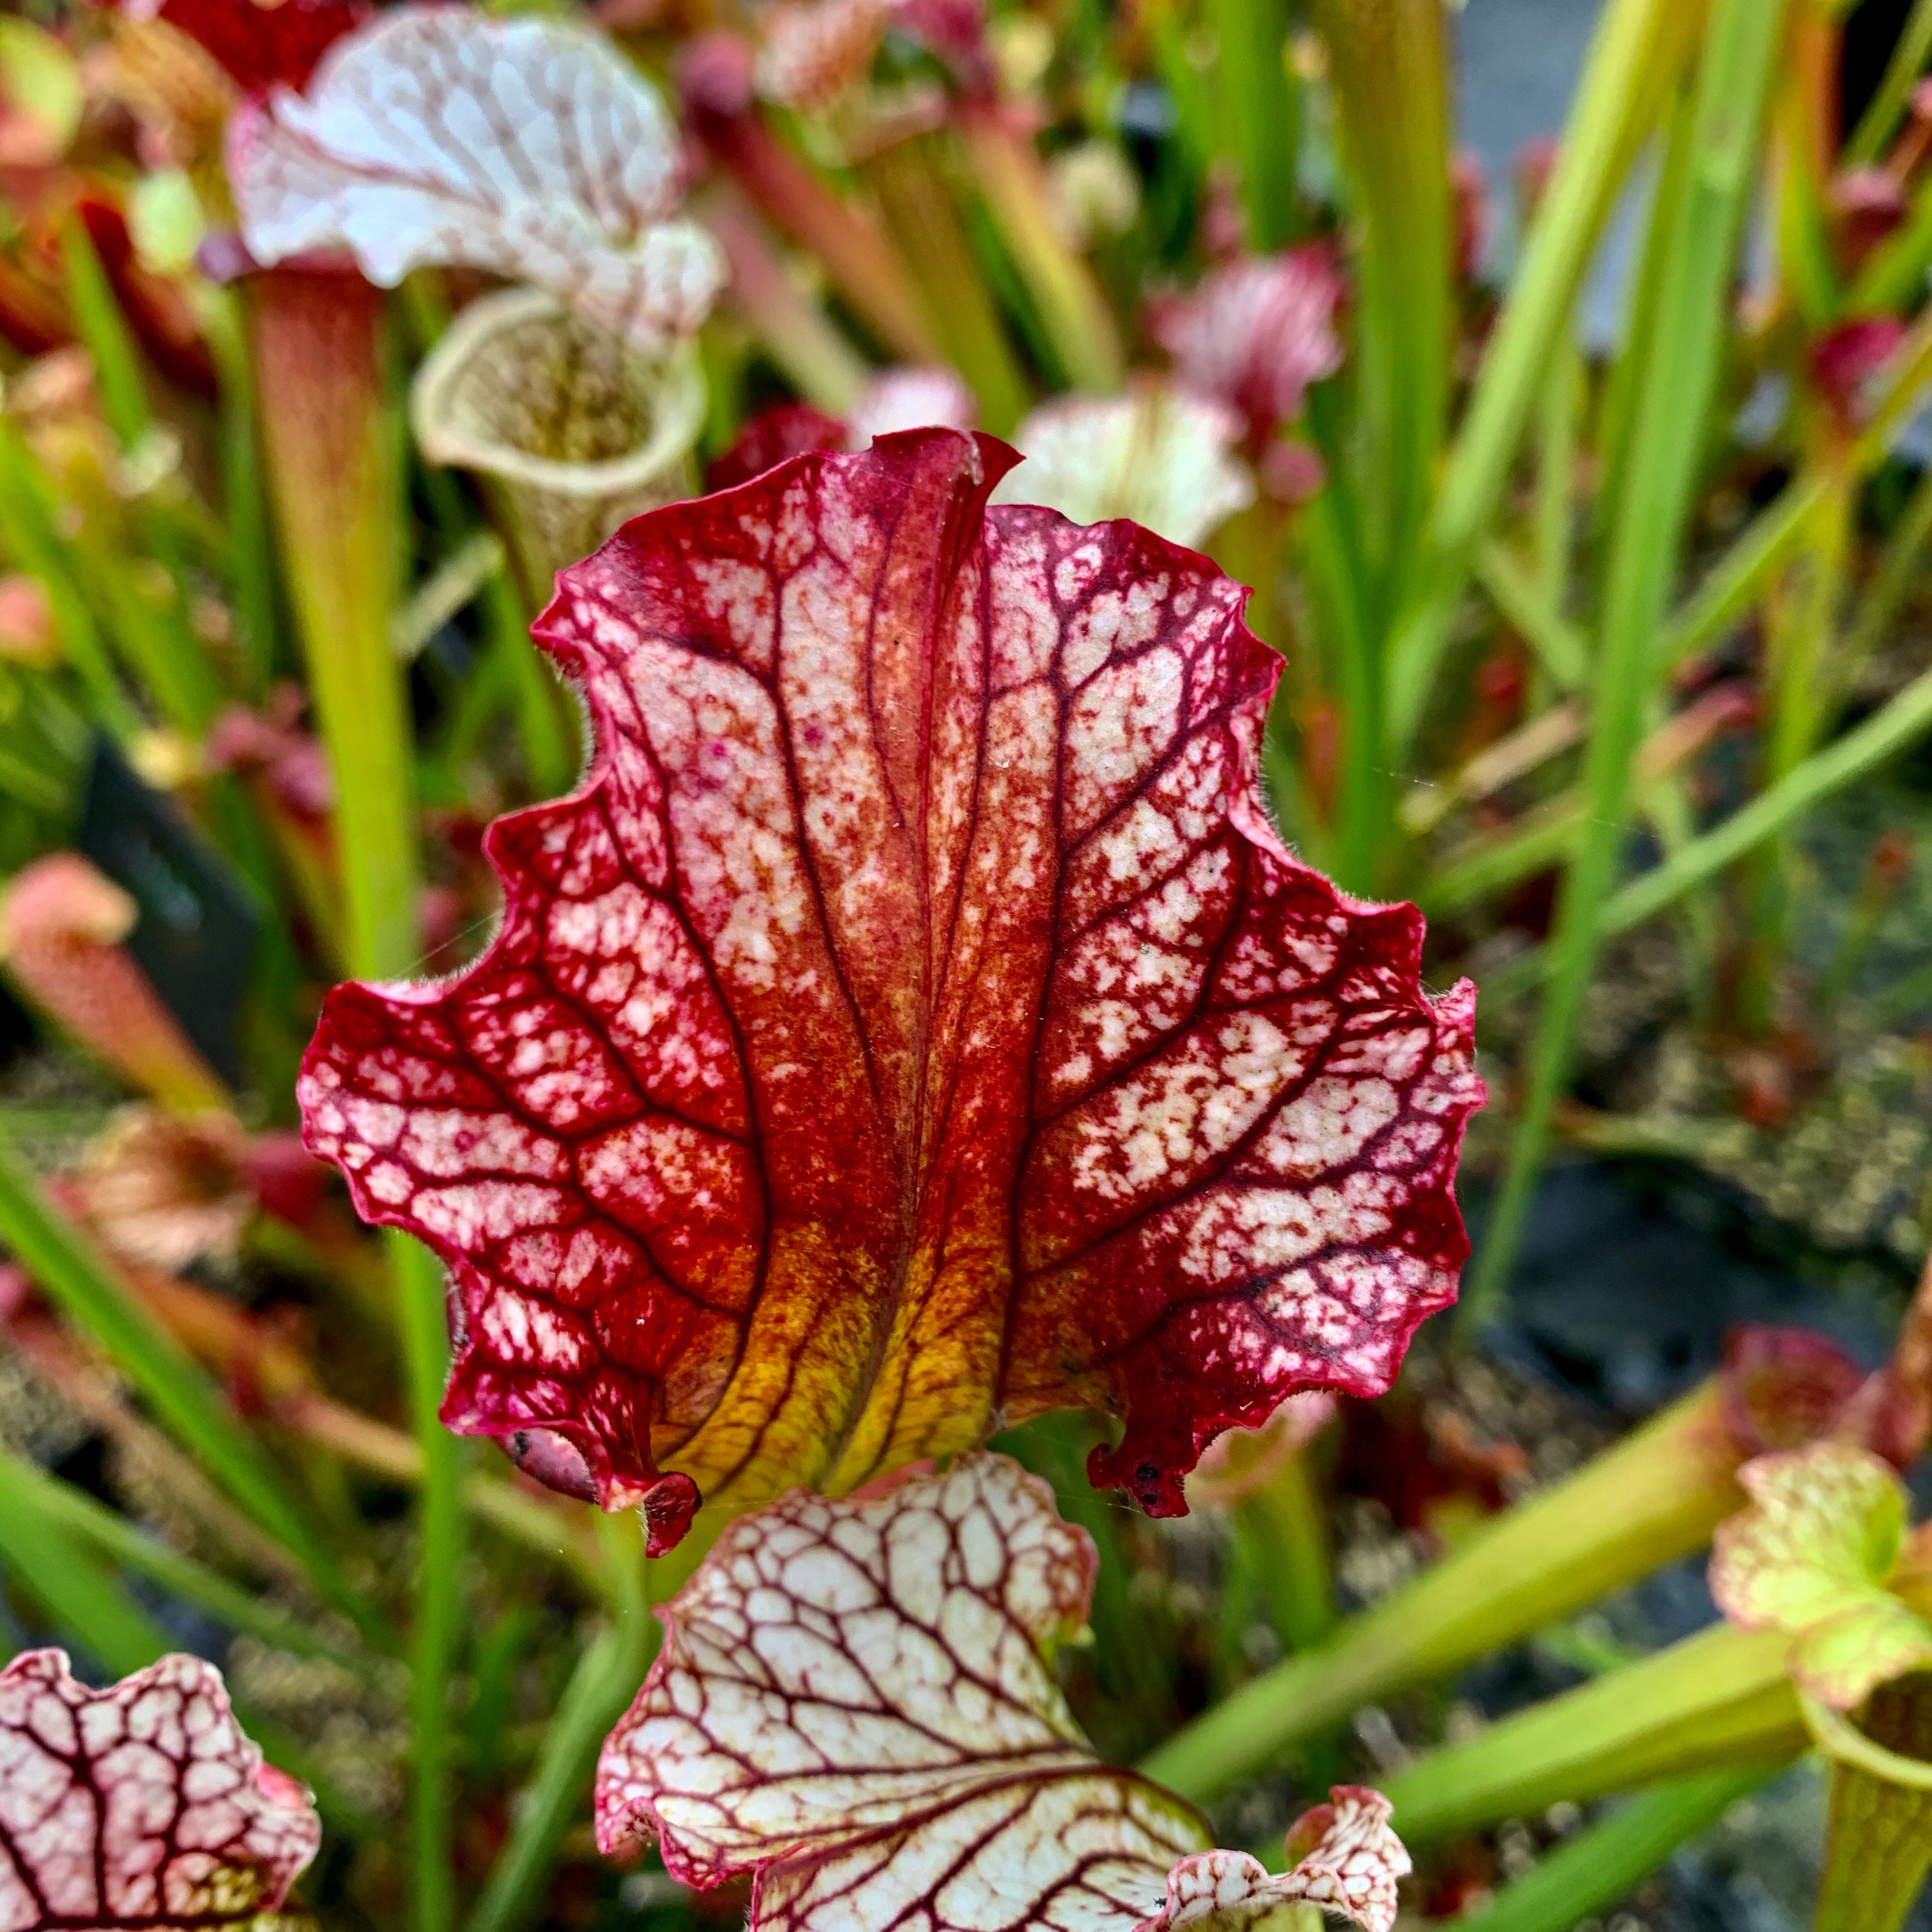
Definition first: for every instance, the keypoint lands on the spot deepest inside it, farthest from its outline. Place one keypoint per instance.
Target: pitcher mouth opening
(521, 388)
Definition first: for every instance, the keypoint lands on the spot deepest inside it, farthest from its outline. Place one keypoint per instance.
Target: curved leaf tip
(1345, 1863)
(142, 1805)
(527, 147)
(1783, 1388)
(913, 1024)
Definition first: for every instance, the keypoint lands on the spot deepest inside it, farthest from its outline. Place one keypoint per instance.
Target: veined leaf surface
(855, 1702)
(142, 1805)
(913, 1024)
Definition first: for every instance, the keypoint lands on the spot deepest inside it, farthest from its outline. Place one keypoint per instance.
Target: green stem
(1604, 1865)
(1721, 1697)
(1623, 391)
(1073, 310)
(27, 785)
(452, 584)
(1558, 410)
(1547, 834)
(1544, 836)
(1797, 663)
(1388, 68)
(435, 1639)
(1801, 657)
(1682, 354)
(1732, 584)
(65, 1263)
(1804, 119)
(490, 688)
(244, 503)
(97, 318)
(1526, 604)
(1262, 128)
(1899, 565)
(514, 669)
(1336, 578)
(1249, 547)
(1909, 53)
(1133, 1676)
(912, 179)
(165, 657)
(1201, 129)
(1387, 75)
(154, 630)
(1861, 750)
(547, 713)
(319, 355)
(27, 519)
(1667, 809)
(1655, 1496)
(1283, 1530)
(599, 1692)
(327, 431)
(1638, 49)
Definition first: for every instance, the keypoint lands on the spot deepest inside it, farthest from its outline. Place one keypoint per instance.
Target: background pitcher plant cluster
(775, 780)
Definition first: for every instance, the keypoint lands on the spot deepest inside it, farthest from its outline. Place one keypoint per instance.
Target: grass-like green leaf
(33, 539)
(328, 421)
(1604, 1864)
(79, 1595)
(1638, 47)
(1858, 752)
(63, 1259)
(600, 1691)
(1681, 357)
(1656, 1496)
(96, 1526)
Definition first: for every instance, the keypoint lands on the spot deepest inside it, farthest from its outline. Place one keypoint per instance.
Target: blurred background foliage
(1596, 555)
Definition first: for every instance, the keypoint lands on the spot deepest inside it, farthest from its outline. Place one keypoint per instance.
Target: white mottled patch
(1155, 1128)
(738, 597)
(854, 1702)
(523, 1328)
(443, 1146)
(474, 1212)
(1327, 1126)
(1121, 722)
